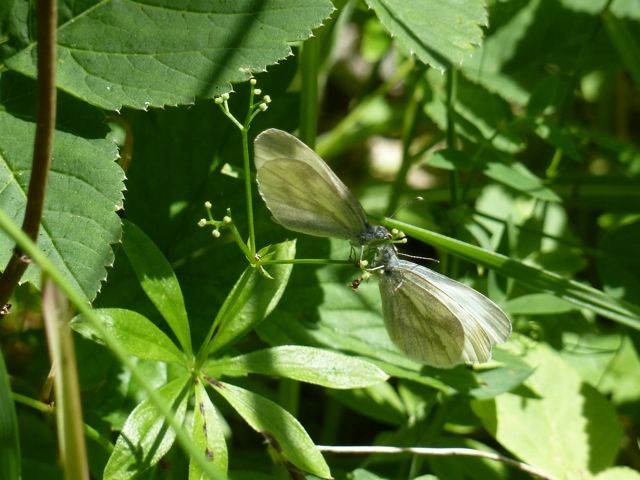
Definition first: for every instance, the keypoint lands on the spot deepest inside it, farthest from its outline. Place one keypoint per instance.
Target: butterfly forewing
(302, 192)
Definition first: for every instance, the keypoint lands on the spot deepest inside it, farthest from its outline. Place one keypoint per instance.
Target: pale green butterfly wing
(302, 192)
(418, 324)
(438, 321)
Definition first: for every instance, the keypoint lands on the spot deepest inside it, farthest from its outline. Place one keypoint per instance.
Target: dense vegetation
(199, 349)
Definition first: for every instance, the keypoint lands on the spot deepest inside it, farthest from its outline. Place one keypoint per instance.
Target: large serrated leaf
(438, 32)
(79, 221)
(167, 52)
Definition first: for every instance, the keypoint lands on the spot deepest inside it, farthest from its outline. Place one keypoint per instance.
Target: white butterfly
(431, 318)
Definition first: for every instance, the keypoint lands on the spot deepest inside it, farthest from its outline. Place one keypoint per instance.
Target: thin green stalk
(454, 179)
(451, 129)
(309, 60)
(289, 395)
(332, 421)
(307, 261)
(409, 123)
(90, 432)
(47, 267)
(248, 192)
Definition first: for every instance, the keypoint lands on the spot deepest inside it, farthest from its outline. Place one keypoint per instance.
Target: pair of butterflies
(429, 317)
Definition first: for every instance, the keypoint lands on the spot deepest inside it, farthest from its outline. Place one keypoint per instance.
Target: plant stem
(48, 409)
(451, 144)
(43, 143)
(307, 261)
(309, 60)
(408, 131)
(248, 194)
(451, 129)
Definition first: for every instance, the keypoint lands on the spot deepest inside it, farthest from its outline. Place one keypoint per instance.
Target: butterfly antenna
(418, 257)
(406, 204)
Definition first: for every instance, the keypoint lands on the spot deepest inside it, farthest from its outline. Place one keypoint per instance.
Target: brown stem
(47, 23)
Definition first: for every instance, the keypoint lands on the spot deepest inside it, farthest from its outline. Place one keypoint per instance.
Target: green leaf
(9, 435)
(556, 137)
(305, 364)
(618, 473)
(538, 304)
(362, 474)
(449, 159)
(611, 367)
(135, 332)
(158, 281)
(281, 430)
(439, 33)
(79, 221)
(168, 52)
(579, 426)
(252, 298)
(595, 7)
(478, 115)
(495, 381)
(518, 177)
(618, 262)
(145, 437)
(379, 402)
(574, 292)
(625, 44)
(208, 435)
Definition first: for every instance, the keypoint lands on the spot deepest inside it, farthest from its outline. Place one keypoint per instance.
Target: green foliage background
(515, 120)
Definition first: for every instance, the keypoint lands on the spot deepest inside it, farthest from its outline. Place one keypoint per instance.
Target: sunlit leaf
(79, 222)
(305, 364)
(280, 429)
(142, 55)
